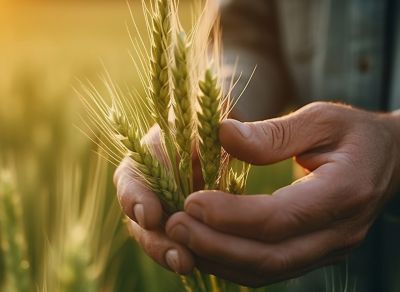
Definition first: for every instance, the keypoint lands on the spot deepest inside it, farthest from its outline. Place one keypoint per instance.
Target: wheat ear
(155, 175)
(13, 244)
(209, 117)
(160, 87)
(183, 112)
(160, 91)
(236, 177)
(236, 183)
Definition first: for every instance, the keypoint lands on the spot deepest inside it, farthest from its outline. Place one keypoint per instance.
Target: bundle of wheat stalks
(184, 97)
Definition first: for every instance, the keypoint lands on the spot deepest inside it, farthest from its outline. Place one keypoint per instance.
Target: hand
(353, 161)
(255, 240)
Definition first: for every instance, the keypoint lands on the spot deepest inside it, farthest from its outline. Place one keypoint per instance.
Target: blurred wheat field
(45, 48)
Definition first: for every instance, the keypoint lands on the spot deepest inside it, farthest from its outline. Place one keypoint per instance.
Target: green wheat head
(209, 118)
(160, 63)
(183, 110)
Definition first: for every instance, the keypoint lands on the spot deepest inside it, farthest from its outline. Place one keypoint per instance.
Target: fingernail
(243, 129)
(195, 211)
(180, 234)
(139, 214)
(172, 259)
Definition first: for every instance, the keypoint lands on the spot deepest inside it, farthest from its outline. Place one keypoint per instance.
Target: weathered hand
(353, 159)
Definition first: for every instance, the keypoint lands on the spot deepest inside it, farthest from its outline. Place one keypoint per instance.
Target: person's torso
(343, 50)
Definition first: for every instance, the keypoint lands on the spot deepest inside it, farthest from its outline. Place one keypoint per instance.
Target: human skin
(353, 162)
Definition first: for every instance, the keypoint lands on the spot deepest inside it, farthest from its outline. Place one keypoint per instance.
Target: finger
(137, 201)
(167, 253)
(277, 139)
(254, 256)
(306, 206)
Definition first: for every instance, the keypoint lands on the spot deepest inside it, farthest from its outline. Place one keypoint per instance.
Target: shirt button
(364, 64)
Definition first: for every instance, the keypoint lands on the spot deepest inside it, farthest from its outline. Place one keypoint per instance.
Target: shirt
(343, 50)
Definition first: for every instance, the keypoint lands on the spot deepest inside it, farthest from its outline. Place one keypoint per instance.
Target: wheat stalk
(209, 118)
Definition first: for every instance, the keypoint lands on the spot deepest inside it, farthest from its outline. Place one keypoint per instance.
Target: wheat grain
(209, 118)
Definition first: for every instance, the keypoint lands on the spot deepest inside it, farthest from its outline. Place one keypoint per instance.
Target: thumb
(278, 139)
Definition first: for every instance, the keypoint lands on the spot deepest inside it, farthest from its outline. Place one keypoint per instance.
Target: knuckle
(278, 132)
(324, 117)
(329, 109)
(322, 111)
(318, 106)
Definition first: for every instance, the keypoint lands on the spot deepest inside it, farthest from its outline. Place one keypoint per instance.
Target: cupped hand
(352, 158)
(353, 161)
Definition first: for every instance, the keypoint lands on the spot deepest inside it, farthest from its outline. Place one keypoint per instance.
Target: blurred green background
(46, 48)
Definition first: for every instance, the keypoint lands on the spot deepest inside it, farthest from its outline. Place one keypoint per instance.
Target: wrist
(395, 117)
